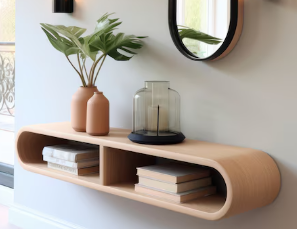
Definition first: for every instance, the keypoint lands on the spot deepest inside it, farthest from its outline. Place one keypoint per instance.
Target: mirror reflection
(203, 25)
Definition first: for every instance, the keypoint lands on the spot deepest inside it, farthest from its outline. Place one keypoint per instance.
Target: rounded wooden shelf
(251, 176)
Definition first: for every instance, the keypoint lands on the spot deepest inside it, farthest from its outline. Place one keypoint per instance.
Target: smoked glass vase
(156, 115)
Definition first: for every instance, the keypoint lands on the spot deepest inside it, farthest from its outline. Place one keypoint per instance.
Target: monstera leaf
(186, 32)
(104, 26)
(110, 44)
(60, 43)
(72, 33)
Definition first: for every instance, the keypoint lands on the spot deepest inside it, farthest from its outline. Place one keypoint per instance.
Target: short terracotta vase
(98, 115)
(79, 107)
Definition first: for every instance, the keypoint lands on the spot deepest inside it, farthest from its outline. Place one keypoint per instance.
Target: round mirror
(205, 29)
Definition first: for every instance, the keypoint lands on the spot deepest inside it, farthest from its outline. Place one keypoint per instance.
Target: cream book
(74, 171)
(80, 164)
(175, 188)
(176, 197)
(173, 172)
(72, 152)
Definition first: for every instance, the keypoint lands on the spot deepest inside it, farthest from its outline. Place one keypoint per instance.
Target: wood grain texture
(120, 166)
(251, 176)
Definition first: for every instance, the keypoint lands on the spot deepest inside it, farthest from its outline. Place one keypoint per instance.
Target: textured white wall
(246, 99)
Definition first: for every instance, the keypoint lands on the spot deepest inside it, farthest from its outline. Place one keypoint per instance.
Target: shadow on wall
(261, 31)
(78, 9)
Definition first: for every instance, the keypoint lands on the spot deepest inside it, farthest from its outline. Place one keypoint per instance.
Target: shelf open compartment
(120, 172)
(34, 143)
(246, 178)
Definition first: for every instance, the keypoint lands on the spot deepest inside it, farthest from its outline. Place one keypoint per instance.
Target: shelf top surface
(117, 138)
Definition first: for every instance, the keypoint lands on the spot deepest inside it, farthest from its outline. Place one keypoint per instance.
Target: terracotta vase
(98, 115)
(79, 107)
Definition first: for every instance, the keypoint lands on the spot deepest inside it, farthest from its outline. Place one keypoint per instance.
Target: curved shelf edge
(252, 177)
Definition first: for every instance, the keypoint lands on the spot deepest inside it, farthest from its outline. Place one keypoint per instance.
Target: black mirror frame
(233, 35)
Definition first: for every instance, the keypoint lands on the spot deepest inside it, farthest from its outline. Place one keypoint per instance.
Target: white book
(81, 164)
(74, 171)
(176, 197)
(173, 172)
(72, 152)
(175, 188)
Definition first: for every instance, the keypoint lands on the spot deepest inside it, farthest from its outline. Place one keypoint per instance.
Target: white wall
(248, 99)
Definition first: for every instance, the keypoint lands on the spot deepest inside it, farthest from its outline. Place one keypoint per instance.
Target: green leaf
(81, 40)
(111, 45)
(58, 37)
(128, 51)
(104, 26)
(59, 45)
(72, 51)
(68, 31)
(118, 56)
(73, 33)
(124, 43)
(76, 31)
(66, 41)
(62, 44)
(86, 49)
(186, 32)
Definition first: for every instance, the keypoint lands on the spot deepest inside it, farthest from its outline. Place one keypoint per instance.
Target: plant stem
(84, 66)
(80, 67)
(82, 79)
(94, 67)
(90, 74)
(81, 72)
(99, 69)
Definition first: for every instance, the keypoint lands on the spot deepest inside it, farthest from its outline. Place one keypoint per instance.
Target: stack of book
(76, 158)
(177, 182)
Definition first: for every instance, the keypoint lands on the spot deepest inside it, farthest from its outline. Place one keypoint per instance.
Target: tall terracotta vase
(98, 115)
(79, 107)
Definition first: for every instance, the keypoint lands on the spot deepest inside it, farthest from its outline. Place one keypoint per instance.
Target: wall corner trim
(6, 196)
(27, 218)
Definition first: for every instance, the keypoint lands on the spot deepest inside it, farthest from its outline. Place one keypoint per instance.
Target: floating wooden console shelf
(251, 176)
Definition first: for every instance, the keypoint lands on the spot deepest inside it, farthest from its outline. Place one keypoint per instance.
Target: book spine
(190, 185)
(67, 156)
(47, 151)
(62, 168)
(60, 162)
(207, 191)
